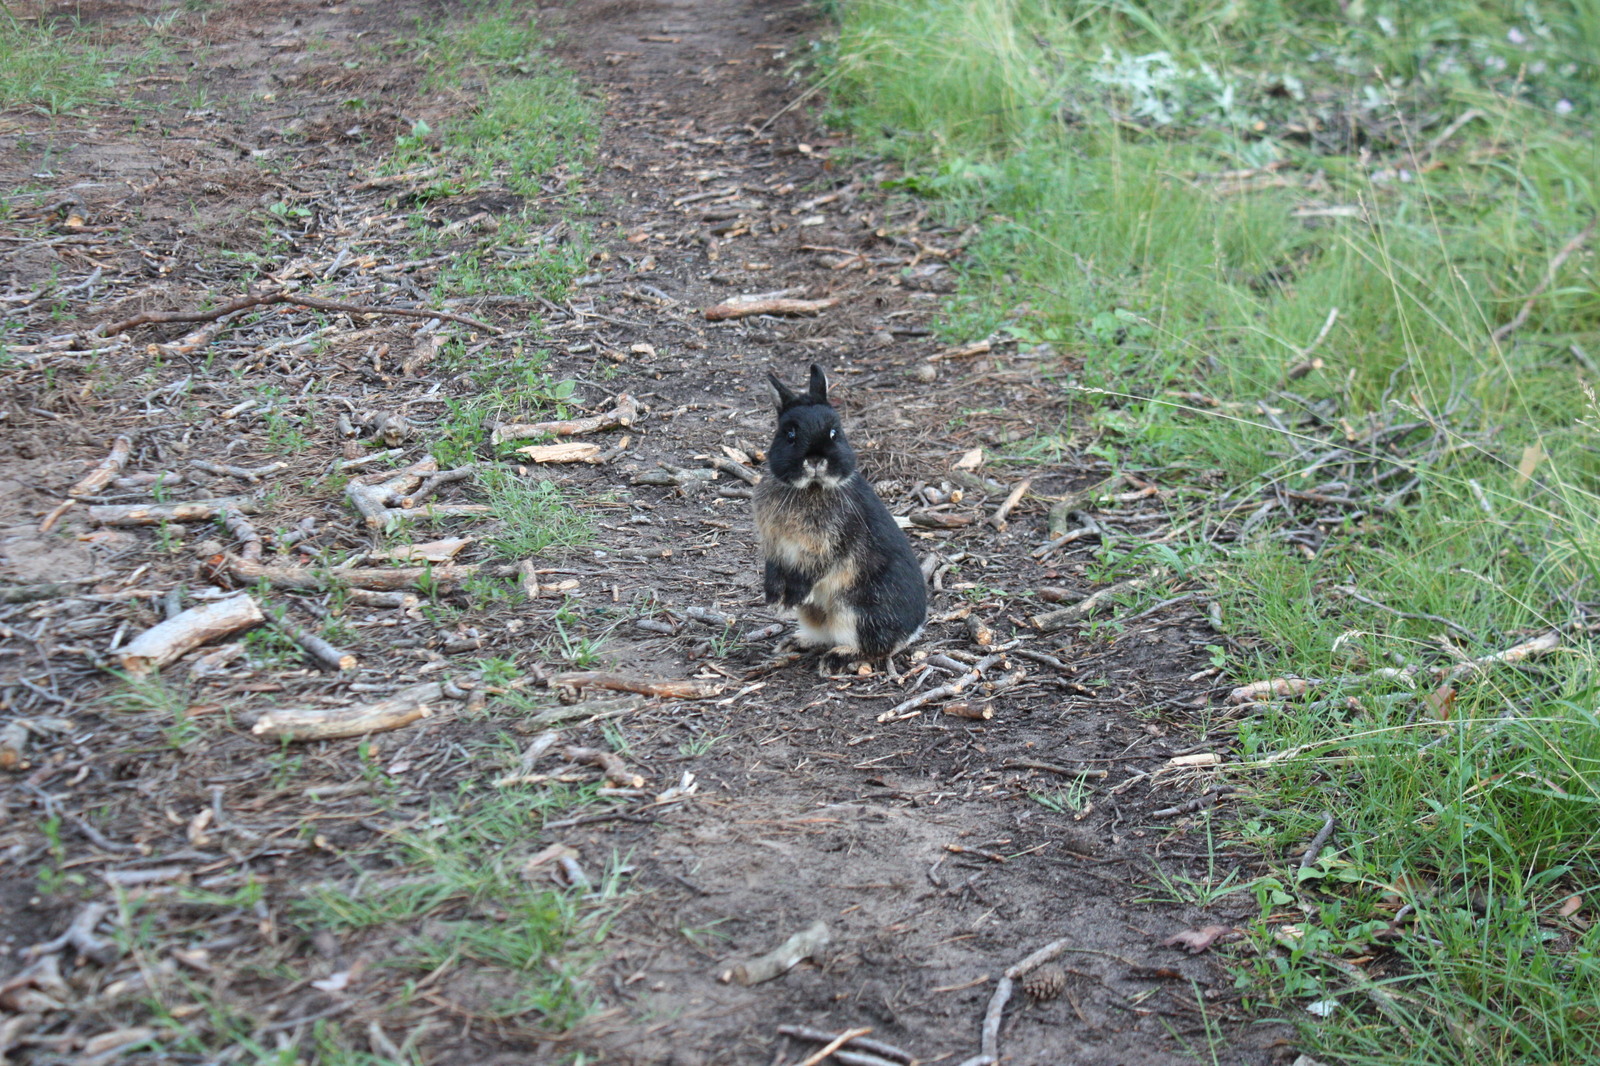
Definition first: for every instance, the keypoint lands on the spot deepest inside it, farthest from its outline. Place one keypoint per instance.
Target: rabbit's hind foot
(840, 661)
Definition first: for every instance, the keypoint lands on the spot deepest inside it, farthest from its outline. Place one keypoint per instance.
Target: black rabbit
(833, 553)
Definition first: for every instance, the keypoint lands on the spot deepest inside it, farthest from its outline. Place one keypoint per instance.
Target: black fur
(833, 552)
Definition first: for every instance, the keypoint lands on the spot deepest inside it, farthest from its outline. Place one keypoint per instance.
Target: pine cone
(1046, 982)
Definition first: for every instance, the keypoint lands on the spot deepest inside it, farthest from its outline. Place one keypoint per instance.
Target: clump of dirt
(939, 850)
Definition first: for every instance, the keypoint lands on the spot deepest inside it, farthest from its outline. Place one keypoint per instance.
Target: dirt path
(938, 850)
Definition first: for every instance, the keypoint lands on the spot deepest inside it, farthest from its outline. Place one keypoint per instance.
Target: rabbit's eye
(790, 433)
(832, 433)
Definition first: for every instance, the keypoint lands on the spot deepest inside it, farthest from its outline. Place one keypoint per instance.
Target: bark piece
(786, 956)
(745, 306)
(166, 643)
(153, 514)
(570, 452)
(433, 551)
(302, 724)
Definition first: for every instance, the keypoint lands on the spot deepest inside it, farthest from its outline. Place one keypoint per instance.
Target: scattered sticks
(855, 1043)
(946, 690)
(1050, 621)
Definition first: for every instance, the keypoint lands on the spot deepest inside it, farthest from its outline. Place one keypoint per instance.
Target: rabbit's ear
(783, 397)
(819, 384)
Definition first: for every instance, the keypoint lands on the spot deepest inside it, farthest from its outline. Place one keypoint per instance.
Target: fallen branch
(780, 960)
(1540, 645)
(746, 306)
(1545, 282)
(263, 299)
(435, 482)
(109, 467)
(832, 1045)
(964, 351)
(1318, 842)
(1199, 803)
(167, 642)
(374, 495)
(623, 414)
(154, 514)
(664, 689)
(80, 937)
(401, 709)
(307, 579)
(1053, 620)
(241, 529)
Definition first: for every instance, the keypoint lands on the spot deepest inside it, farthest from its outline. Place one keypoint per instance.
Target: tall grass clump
(1285, 251)
(50, 67)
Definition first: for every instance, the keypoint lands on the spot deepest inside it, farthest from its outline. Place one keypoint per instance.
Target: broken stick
(780, 960)
(165, 643)
(665, 689)
(109, 467)
(302, 724)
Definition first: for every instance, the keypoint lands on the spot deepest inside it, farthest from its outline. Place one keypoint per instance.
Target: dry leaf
(1441, 702)
(1532, 456)
(1194, 941)
(1572, 905)
(970, 461)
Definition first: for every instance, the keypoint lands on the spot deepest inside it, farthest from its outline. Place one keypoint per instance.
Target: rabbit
(833, 553)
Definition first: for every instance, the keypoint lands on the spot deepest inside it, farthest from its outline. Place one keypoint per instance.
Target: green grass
(1172, 196)
(50, 67)
(458, 898)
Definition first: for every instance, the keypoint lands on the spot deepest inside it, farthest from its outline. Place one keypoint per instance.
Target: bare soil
(919, 841)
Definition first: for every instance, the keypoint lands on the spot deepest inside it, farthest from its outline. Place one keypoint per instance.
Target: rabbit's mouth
(817, 472)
